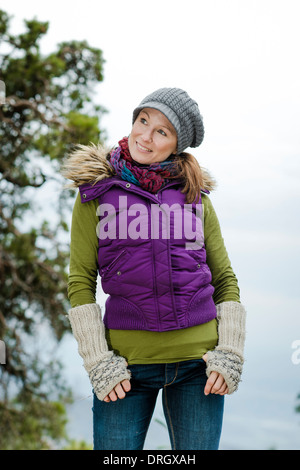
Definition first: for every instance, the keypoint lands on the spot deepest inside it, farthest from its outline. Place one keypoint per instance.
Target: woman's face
(153, 138)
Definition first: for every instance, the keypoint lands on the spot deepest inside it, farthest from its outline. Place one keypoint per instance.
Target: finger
(112, 395)
(222, 389)
(107, 399)
(119, 391)
(126, 385)
(204, 358)
(210, 382)
(218, 384)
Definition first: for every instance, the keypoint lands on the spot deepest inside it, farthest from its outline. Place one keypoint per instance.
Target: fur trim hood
(88, 164)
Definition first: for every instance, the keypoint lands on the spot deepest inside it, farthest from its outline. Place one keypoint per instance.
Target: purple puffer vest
(153, 281)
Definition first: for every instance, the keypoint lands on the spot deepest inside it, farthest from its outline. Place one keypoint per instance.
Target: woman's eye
(143, 121)
(162, 132)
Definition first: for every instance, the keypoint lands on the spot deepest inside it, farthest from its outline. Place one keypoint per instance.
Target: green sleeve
(83, 253)
(223, 277)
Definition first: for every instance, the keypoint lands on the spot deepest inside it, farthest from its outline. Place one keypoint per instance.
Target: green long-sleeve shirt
(147, 346)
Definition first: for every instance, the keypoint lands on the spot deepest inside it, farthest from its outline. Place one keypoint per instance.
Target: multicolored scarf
(148, 177)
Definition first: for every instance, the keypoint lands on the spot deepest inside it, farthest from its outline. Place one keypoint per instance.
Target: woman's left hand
(215, 383)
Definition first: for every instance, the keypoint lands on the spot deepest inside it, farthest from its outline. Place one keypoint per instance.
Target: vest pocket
(112, 268)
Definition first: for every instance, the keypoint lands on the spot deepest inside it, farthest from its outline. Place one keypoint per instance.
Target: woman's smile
(141, 148)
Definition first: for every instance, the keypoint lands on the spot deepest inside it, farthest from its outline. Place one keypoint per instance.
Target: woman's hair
(195, 179)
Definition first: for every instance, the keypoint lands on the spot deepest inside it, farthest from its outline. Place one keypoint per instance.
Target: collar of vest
(89, 192)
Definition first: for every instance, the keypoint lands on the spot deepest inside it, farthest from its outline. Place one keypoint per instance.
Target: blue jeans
(194, 420)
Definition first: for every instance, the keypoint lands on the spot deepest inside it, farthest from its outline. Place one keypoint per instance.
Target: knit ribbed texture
(228, 356)
(181, 110)
(105, 369)
(231, 318)
(89, 331)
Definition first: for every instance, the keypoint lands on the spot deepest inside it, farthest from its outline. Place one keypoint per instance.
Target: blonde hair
(195, 179)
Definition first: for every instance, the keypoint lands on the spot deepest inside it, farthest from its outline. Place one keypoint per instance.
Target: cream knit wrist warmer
(228, 356)
(105, 369)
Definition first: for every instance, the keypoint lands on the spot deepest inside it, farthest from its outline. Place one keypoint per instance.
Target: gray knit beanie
(181, 110)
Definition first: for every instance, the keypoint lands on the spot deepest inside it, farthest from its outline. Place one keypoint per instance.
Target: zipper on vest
(154, 272)
(113, 263)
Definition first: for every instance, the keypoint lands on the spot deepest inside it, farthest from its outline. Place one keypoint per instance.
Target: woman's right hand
(119, 391)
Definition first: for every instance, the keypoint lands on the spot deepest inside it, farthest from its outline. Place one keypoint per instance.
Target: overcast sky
(239, 59)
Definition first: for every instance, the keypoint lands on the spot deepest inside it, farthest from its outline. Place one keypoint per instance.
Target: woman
(173, 319)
